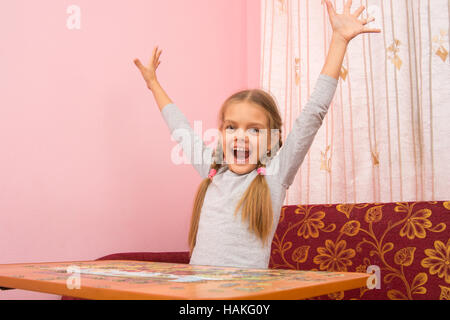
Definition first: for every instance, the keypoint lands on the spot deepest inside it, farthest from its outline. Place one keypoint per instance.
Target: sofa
(406, 245)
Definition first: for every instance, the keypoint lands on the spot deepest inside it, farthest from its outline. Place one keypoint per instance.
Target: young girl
(238, 204)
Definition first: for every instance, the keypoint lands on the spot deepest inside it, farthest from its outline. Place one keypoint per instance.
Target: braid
(200, 197)
(256, 206)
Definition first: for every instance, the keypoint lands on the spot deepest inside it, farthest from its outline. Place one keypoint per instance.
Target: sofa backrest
(406, 245)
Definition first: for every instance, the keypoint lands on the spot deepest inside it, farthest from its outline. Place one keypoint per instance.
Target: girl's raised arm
(346, 26)
(194, 148)
(149, 74)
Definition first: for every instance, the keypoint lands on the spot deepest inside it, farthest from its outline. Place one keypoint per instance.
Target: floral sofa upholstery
(406, 244)
(409, 244)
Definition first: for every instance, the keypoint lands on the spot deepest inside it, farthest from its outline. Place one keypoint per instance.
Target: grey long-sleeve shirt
(222, 238)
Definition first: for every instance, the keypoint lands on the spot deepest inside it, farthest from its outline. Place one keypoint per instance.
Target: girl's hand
(149, 73)
(346, 26)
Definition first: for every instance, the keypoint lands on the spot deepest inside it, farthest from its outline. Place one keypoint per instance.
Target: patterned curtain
(386, 136)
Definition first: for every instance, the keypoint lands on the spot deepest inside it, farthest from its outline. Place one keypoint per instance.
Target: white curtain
(386, 136)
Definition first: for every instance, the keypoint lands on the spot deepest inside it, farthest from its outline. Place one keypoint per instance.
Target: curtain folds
(386, 136)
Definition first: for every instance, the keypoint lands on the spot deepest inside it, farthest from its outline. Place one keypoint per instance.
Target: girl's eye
(253, 130)
(229, 128)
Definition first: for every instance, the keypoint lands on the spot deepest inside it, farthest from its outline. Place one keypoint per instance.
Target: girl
(238, 204)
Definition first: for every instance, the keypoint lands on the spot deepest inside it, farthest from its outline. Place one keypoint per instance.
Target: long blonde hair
(256, 202)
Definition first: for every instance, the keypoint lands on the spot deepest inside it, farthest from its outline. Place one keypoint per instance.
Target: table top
(125, 279)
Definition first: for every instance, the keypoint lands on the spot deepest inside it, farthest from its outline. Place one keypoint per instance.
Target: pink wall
(85, 165)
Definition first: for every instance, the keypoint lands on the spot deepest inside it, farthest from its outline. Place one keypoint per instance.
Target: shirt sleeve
(299, 140)
(195, 150)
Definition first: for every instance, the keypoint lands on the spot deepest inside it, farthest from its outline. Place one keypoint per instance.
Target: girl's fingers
(330, 8)
(152, 60)
(366, 21)
(371, 30)
(347, 6)
(138, 64)
(359, 11)
(157, 57)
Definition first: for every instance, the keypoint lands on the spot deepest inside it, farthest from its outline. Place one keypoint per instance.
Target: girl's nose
(240, 135)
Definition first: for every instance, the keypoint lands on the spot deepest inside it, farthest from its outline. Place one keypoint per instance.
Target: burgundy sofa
(406, 244)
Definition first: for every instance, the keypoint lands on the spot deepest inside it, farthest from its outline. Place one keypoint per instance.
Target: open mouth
(241, 155)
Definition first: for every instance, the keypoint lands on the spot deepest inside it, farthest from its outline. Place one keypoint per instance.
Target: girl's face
(244, 133)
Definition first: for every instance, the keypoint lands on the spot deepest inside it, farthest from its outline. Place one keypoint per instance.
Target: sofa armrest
(171, 257)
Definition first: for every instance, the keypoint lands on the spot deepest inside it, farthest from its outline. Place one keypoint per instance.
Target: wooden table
(125, 279)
